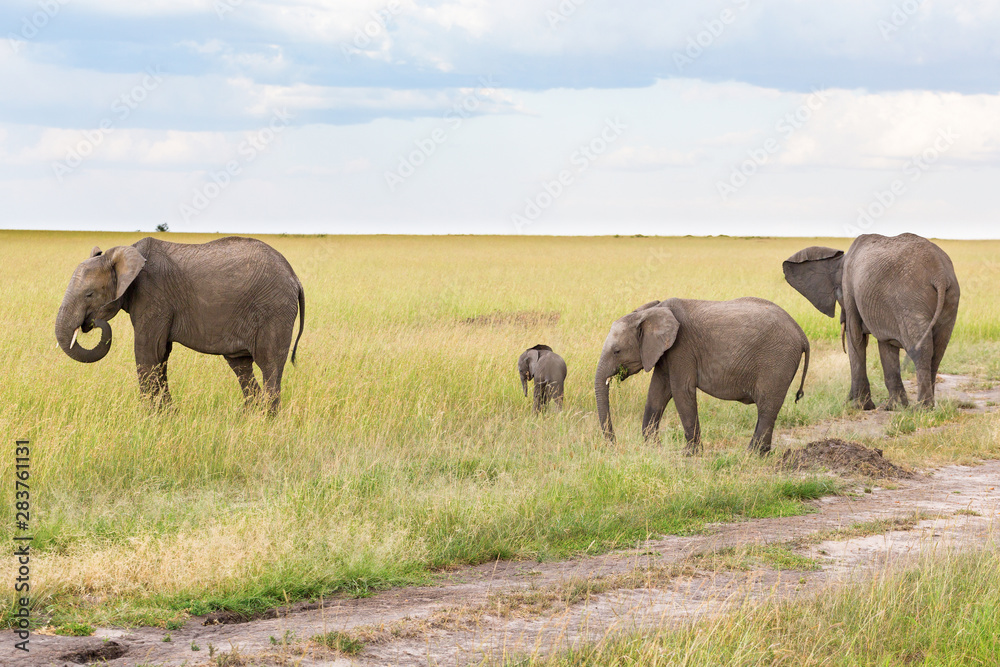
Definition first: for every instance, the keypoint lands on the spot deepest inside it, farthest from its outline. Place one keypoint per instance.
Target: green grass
(909, 420)
(755, 557)
(340, 642)
(943, 611)
(74, 630)
(404, 444)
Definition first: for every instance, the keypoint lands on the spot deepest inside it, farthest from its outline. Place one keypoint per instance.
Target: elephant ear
(524, 362)
(96, 252)
(816, 273)
(126, 262)
(657, 332)
(646, 306)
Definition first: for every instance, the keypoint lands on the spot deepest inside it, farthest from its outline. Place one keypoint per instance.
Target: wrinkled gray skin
(900, 289)
(234, 296)
(744, 350)
(548, 370)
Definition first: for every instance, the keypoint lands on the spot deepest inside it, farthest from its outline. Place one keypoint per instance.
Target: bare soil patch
(97, 651)
(232, 617)
(849, 458)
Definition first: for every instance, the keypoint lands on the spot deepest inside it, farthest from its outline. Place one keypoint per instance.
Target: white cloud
(882, 131)
(148, 7)
(643, 158)
(151, 148)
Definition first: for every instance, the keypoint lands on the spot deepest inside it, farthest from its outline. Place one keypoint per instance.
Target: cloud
(54, 96)
(647, 158)
(782, 44)
(866, 131)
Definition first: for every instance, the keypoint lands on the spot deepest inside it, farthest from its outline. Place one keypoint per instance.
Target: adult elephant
(235, 297)
(744, 350)
(900, 289)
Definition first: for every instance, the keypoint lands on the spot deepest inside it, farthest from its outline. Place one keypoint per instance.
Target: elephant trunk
(524, 384)
(602, 388)
(68, 322)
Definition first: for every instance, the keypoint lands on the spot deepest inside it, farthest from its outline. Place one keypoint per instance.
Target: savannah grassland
(404, 444)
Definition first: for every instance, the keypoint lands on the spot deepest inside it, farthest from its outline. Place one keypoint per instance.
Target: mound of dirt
(517, 318)
(96, 653)
(843, 457)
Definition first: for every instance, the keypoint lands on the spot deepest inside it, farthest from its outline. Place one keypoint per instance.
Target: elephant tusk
(607, 383)
(73, 342)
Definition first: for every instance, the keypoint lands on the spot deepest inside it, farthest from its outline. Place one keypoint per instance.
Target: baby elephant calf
(548, 371)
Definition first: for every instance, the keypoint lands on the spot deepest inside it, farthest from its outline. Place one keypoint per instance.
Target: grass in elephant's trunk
(404, 443)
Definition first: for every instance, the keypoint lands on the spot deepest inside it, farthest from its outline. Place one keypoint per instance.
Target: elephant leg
(557, 395)
(657, 399)
(857, 352)
(889, 354)
(243, 367)
(686, 400)
(164, 387)
(270, 355)
(923, 359)
(538, 397)
(271, 369)
(941, 338)
(151, 354)
(767, 414)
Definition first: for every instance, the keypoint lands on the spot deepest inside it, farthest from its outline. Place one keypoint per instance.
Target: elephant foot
(895, 404)
(161, 403)
(692, 449)
(862, 404)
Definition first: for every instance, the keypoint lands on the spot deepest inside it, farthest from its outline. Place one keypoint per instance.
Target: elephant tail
(941, 292)
(805, 369)
(302, 319)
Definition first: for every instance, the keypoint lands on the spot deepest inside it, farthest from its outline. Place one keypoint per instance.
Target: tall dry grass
(404, 442)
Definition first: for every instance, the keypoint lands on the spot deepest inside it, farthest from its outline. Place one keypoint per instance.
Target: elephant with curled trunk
(541, 364)
(900, 289)
(744, 350)
(235, 297)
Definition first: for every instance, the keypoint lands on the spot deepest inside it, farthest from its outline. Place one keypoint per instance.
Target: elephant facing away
(744, 350)
(548, 370)
(900, 289)
(235, 297)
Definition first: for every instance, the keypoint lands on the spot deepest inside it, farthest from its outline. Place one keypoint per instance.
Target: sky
(739, 117)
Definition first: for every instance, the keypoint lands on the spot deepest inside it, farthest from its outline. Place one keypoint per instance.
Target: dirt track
(510, 608)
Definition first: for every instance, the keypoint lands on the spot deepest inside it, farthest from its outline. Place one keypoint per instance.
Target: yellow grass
(404, 442)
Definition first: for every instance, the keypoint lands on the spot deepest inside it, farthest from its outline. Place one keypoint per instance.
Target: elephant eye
(90, 294)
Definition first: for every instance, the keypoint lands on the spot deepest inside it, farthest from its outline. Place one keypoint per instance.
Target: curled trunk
(66, 326)
(601, 391)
